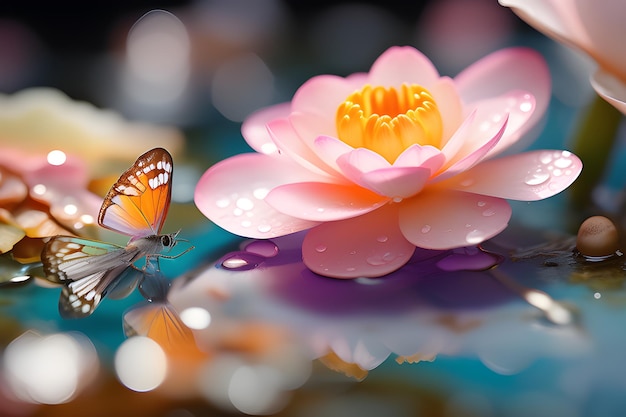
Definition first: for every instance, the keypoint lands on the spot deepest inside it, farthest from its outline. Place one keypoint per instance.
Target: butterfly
(136, 206)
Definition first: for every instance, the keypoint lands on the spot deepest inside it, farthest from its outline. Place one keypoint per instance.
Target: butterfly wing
(81, 297)
(89, 269)
(138, 202)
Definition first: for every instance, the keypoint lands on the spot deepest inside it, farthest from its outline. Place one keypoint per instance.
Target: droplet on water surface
(241, 261)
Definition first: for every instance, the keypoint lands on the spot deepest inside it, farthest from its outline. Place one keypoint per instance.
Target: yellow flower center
(387, 121)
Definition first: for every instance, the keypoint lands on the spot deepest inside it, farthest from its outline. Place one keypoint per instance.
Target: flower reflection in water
(237, 364)
(439, 303)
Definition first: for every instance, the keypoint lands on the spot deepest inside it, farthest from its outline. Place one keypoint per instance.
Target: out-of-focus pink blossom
(378, 163)
(596, 28)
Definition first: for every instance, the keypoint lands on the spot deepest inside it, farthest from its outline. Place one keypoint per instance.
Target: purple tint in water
(265, 248)
(469, 258)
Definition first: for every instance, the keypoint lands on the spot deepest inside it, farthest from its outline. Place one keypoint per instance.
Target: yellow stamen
(388, 121)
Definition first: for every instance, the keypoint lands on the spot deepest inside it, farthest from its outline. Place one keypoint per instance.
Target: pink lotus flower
(596, 28)
(376, 164)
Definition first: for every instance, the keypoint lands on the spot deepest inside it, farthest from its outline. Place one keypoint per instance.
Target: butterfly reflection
(136, 206)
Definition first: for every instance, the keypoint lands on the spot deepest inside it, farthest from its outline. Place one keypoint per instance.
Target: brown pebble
(597, 236)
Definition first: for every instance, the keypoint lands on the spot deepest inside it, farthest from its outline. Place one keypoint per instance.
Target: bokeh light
(49, 369)
(140, 364)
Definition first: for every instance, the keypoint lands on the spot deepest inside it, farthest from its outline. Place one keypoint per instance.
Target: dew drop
(382, 239)
(545, 158)
(426, 228)
(481, 204)
(246, 223)
(488, 212)
(320, 209)
(557, 172)
(378, 260)
(260, 193)
(562, 162)
(265, 248)
(245, 203)
(222, 202)
(350, 269)
(237, 212)
(264, 228)
(467, 182)
(526, 106)
(474, 237)
(537, 178)
(397, 199)
(321, 248)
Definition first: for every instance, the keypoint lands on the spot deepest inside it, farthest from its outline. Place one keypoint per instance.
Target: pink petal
(516, 106)
(449, 104)
(309, 127)
(231, 194)
(529, 176)
(322, 95)
(317, 201)
(446, 219)
(363, 159)
(403, 65)
(396, 182)
(366, 246)
(604, 27)
(291, 145)
(558, 19)
(497, 74)
(254, 128)
(329, 149)
(392, 182)
(422, 156)
(475, 156)
(611, 89)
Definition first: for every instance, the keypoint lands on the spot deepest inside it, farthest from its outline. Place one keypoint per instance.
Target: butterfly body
(136, 205)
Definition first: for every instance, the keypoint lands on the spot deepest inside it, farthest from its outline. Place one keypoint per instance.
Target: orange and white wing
(138, 202)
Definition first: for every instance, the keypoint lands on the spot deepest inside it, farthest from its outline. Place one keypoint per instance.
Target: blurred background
(201, 67)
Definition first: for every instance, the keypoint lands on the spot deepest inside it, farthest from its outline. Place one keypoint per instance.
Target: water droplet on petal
(222, 202)
(321, 248)
(426, 228)
(378, 260)
(382, 239)
(475, 237)
(562, 162)
(481, 204)
(350, 269)
(467, 182)
(264, 228)
(489, 212)
(245, 203)
(260, 193)
(265, 248)
(545, 158)
(557, 172)
(537, 178)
